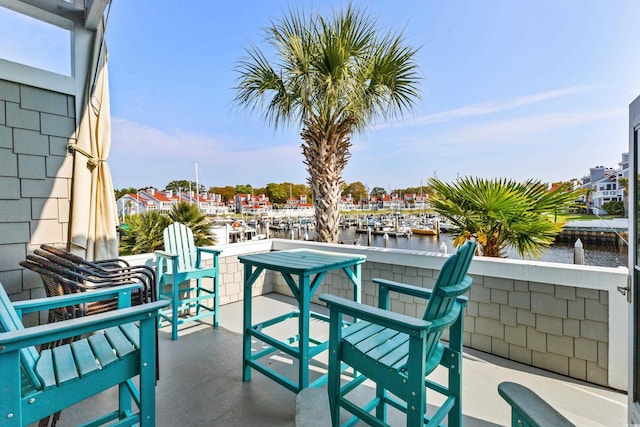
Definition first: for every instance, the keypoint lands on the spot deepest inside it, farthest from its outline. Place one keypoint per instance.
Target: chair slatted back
(178, 240)
(452, 282)
(9, 322)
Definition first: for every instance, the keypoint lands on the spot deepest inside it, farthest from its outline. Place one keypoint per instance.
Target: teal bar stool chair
(182, 261)
(398, 352)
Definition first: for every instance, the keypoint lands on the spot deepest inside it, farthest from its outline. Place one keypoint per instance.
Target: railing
(564, 318)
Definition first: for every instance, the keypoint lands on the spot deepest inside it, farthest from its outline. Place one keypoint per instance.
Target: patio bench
(312, 408)
(530, 410)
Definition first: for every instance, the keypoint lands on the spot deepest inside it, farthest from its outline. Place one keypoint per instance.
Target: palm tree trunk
(326, 152)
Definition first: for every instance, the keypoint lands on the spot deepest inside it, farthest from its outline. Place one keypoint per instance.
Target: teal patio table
(303, 270)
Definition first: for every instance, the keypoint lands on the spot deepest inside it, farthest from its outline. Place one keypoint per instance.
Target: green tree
(332, 76)
(184, 186)
(189, 215)
(299, 189)
(502, 213)
(277, 193)
(142, 233)
(123, 191)
(378, 192)
(244, 189)
(228, 193)
(357, 191)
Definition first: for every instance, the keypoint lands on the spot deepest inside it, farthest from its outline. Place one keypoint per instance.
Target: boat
(431, 227)
(424, 231)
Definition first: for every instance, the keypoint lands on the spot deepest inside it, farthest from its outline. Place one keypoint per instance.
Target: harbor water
(594, 255)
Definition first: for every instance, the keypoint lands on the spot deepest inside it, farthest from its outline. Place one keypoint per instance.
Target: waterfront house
(347, 204)
(392, 202)
(163, 201)
(132, 204)
(604, 185)
(253, 205)
(565, 326)
(208, 203)
(416, 201)
(301, 204)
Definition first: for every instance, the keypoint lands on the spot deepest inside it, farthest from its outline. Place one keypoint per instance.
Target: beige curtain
(93, 207)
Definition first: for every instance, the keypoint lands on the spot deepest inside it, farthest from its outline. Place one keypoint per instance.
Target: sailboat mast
(197, 192)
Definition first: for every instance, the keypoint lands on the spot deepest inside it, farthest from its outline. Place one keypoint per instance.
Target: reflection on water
(605, 256)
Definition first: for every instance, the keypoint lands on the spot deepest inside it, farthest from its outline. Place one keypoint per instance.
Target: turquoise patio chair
(182, 261)
(120, 347)
(398, 352)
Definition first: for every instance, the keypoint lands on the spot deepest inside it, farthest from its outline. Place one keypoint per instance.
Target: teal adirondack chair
(121, 346)
(398, 352)
(182, 261)
(530, 410)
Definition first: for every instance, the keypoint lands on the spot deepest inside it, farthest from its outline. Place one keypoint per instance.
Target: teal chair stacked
(398, 352)
(182, 261)
(120, 347)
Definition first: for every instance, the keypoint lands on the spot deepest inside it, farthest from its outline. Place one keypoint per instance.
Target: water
(595, 255)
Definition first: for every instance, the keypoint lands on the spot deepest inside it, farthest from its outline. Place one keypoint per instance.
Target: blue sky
(516, 89)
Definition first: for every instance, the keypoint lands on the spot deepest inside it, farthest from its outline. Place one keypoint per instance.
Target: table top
(302, 261)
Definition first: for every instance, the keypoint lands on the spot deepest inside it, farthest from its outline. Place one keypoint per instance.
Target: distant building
(416, 201)
(604, 185)
(392, 202)
(346, 203)
(163, 201)
(299, 204)
(253, 205)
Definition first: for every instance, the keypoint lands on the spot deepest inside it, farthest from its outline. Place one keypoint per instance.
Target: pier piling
(578, 252)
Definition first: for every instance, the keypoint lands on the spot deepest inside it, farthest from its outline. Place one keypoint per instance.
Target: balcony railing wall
(563, 318)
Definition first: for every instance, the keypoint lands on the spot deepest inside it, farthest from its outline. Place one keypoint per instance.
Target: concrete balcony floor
(201, 383)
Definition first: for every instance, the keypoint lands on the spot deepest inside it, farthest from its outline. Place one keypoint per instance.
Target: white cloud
(142, 155)
(513, 131)
(486, 108)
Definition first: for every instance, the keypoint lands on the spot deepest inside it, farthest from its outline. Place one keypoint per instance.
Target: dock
(379, 232)
(612, 232)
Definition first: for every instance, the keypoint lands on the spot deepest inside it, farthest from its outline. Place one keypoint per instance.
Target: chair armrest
(15, 340)
(209, 250)
(531, 408)
(41, 304)
(403, 288)
(165, 255)
(399, 322)
(417, 291)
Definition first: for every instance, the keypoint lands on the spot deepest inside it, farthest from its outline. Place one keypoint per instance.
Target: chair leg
(198, 295)
(147, 377)
(381, 408)
(455, 389)
(175, 302)
(216, 302)
(417, 399)
(333, 381)
(124, 401)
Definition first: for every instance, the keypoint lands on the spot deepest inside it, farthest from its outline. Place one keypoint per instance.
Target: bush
(614, 207)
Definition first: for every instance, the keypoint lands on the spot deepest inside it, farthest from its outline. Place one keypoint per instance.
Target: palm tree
(333, 77)
(502, 213)
(142, 233)
(189, 215)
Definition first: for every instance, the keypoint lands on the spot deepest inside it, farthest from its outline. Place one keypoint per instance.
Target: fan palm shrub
(189, 215)
(142, 233)
(502, 213)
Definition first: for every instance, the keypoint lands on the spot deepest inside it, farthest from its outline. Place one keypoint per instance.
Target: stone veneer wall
(562, 329)
(35, 178)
